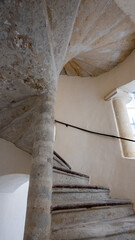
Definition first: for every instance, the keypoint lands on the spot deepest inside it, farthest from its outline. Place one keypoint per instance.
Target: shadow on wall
(13, 199)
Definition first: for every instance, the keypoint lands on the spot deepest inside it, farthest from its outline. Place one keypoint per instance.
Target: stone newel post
(38, 219)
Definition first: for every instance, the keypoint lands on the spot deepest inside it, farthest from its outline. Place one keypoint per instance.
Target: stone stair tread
(59, 159)
(58, 163)
(70, 172)
(92, 204)
(67, 177)
(97, 229)
(89, 187)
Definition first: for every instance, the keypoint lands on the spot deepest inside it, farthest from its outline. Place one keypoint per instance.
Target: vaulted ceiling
(102, 37)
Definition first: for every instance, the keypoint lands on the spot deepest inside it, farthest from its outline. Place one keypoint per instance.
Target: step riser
(80, 196)
(63, 178)
(118, 229)
(69, 217)
(66, 236)
(126, 236)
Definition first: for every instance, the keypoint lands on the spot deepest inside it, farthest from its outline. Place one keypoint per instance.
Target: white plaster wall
(80, 102)
(12, 213)
(14, 165)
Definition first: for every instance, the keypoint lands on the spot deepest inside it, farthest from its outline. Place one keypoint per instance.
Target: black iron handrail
(93, 132)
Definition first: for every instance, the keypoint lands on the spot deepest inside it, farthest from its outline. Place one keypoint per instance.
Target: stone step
(67, 177)
(58, 161)
(118, 229)
(73, 193)
(76, 213)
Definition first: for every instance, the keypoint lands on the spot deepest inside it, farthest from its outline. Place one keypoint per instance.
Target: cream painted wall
(80, 101)
(13, 159)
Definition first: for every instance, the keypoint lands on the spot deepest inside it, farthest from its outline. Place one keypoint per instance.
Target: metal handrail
(93, 132)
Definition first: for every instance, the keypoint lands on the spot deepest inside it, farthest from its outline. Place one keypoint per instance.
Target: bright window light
(131, 111)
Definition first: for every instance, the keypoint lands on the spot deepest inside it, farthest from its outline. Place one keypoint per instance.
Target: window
(131, 111)
(124, 111)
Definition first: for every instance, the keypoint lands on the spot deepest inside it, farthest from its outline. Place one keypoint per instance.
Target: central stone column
(38, 218)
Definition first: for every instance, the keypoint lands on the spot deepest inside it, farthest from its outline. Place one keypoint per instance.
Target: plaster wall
(14, 165)
(13, 211)
(13, 159)
(80, 102)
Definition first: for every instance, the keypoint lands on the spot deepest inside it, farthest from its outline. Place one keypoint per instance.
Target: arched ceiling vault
(103, 36)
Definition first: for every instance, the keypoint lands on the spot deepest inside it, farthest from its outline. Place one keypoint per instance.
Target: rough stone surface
(102, 37)
(38, 218)
(71, 195)
(120, 229)
(61, 19)
(34, 39)
(67, 178)
(64, 218)
(27, 66)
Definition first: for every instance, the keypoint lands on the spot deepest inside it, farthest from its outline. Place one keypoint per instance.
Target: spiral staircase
(82, 211)
(39, 40)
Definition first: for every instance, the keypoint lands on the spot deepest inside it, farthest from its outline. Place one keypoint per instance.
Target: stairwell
(40, 40)
(82, 211)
